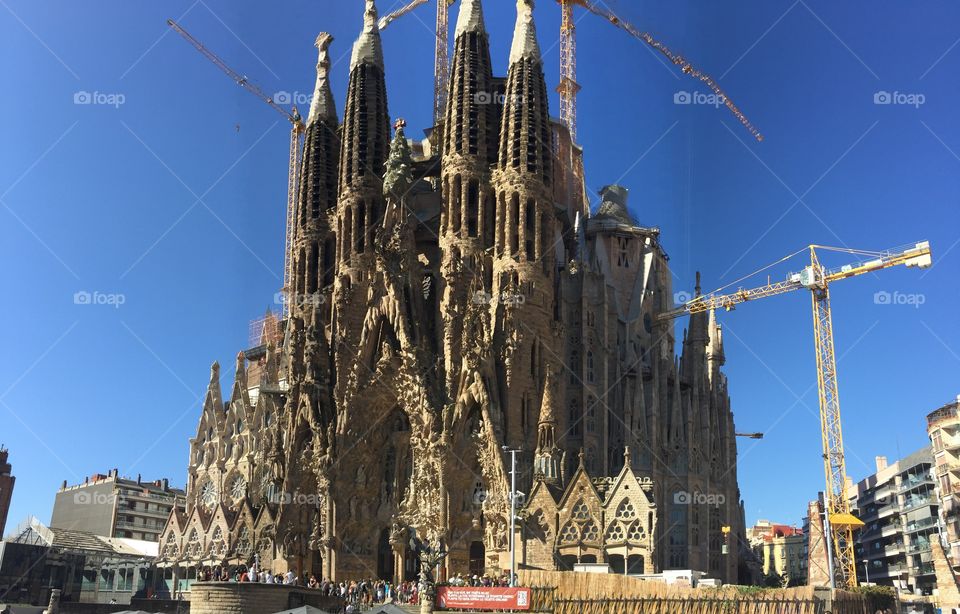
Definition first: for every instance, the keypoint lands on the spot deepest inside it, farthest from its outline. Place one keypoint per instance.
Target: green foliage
(877, 597)
(774, 580)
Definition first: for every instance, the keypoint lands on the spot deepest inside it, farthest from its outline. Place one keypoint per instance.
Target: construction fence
(582, 593)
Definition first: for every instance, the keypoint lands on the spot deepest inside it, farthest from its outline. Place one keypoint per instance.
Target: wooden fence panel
(698, 605)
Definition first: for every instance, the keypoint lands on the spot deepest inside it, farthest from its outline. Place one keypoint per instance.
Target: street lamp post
(866, 569)
(513, 513)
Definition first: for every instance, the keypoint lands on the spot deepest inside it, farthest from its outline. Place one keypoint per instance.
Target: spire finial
(370, 17)
(697, 289)
(580, 456)
(470, 18)
(367, 48)
(626, 456)
(525, 34)
(322, 104)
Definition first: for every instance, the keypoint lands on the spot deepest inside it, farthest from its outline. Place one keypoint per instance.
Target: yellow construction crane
(296, 145)
(441, 66)
(817, 279)
(569, 87)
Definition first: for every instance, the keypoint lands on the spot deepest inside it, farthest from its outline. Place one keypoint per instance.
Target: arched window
(456, 210)
(626, 511)
(590, 372)
(530, 228)
(590, 533)
(347, 234)
(312, 270)
(360, 238)
(581, 511)
(677, 537)
(515, 220)
(591, 414)
(329, 259)
(473, 207)
(574, 418)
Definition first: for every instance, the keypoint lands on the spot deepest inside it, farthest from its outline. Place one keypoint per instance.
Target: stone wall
(167, 607)
(253, 598)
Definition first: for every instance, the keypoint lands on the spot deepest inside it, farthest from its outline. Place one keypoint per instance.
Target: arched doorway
(635, 564)
(384, 556)
(411, 566)
(477, 555)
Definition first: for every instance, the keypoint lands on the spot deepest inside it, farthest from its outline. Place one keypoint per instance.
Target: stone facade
(242, 598)
(452, 298)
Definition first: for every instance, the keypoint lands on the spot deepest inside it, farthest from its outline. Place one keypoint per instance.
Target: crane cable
(845, 250)
(760, 270)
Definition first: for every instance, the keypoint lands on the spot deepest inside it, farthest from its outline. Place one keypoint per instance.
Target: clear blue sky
(175, 200)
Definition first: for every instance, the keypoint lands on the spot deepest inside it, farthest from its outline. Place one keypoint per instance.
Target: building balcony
(918, 547)
(887, 572)
(943, 416)
(147, 496)
(915, 502)
(158, 514)
(918, 525)
(138, 526)
(914, 481)
(923, 570)
(887, 511)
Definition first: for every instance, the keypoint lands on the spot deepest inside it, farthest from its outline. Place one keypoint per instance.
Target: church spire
(546, 463)
(365, 143)
(322, 105)
(366, 124)
(313, 249)
(525, 132)
(471, 112)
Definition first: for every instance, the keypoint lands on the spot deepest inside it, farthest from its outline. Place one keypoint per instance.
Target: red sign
(483, 598)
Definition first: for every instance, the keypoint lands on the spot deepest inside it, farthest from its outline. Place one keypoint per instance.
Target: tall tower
(6, 488)
(314, 246)
(523, 269)
(366, 139)
(469, 148)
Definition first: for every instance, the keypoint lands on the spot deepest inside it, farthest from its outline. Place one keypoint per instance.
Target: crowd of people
(359, 593)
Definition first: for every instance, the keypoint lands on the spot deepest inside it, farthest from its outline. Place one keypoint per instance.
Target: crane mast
(838, 516)
(296, 148)
(441, 50)
(840, 522)
(441, 69)
(568, 87)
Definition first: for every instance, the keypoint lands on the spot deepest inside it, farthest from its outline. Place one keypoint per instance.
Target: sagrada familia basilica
(454, 299)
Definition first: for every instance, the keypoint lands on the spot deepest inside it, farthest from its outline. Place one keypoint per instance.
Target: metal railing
(917, 525)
